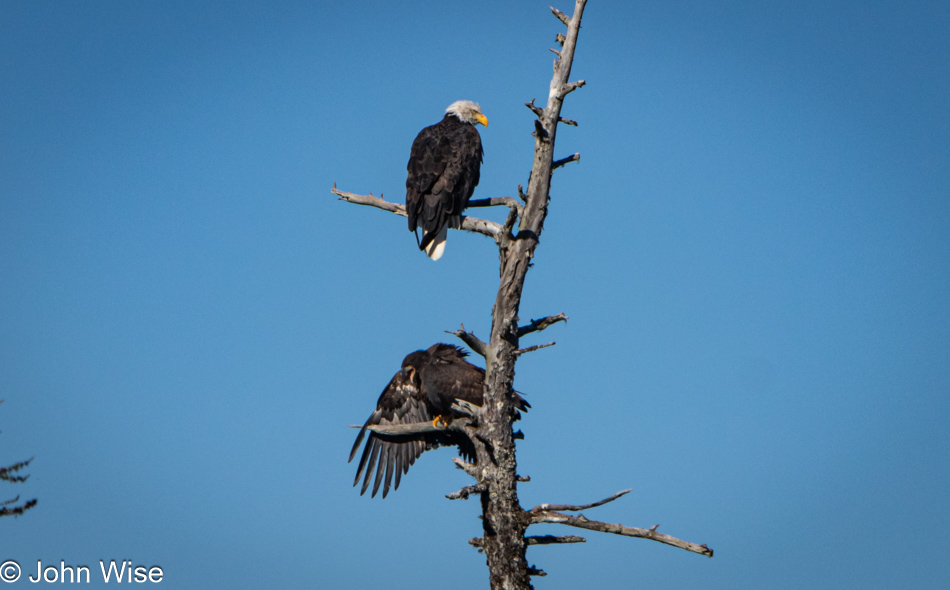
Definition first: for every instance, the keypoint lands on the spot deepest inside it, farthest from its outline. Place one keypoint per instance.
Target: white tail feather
(436, 247)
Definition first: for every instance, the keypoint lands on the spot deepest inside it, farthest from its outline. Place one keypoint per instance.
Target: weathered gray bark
(504, 520)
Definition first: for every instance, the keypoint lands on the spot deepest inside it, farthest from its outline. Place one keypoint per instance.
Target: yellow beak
(482, 119)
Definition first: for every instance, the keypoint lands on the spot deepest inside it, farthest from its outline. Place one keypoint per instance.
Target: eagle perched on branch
(443, 172)
(422, 391)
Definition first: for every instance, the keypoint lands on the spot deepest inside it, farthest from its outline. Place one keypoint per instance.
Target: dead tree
(10, 473)
(504, 521)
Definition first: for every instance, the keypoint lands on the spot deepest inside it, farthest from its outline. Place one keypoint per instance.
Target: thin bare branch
(521, 194)
(553, 539)
(618, 529)
(457, 425)
(558, 163)
(534, 109)
(472, 341)
(482, 226)
(540, 112)
(467, 408)
(6, 473)
(533, 348)
(515, 211)
(17, 510)
(13, 478)
(511, 221)
(537, 540)
(469, 468)
(533, 571)
(541, 324)
(578, 508)
(497, 202)
(561, 16)
(470, 224)
(467, 491)
(570, 87)
(369, 200)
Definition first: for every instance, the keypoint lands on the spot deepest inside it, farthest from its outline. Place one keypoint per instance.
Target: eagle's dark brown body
(443, 172)
(425, 388)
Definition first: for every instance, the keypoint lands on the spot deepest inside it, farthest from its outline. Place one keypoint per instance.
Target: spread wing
(426, 388)
(400, 403)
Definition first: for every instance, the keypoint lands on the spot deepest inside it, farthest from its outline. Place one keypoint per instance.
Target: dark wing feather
(400, 403)
(443, 171)
(424, 169)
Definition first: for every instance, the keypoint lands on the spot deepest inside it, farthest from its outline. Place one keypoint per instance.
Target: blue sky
(753, 252)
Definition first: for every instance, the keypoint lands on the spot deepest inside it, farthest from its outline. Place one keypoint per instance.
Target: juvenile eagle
(424, 389)
(443, 173)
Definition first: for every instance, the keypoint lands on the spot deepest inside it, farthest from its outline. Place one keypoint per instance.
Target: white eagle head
(468, 112)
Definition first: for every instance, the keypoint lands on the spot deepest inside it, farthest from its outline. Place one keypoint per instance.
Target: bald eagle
(424, 389)
(443, 173)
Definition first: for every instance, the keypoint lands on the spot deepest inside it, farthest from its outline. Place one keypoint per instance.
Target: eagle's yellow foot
(440, 418)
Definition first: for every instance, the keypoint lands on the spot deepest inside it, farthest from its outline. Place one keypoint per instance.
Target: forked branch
(618, 529)
(548, 513)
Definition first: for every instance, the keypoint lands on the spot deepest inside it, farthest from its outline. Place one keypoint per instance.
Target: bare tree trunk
(504, 520)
